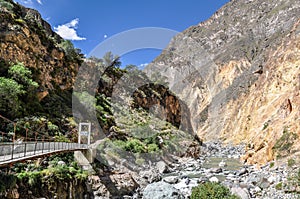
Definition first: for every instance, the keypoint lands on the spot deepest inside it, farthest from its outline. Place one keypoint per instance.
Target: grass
(279, 186)
(292, 185)
(284, 144)
(291, 162)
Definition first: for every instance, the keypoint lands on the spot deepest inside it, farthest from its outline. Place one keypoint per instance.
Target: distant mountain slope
(238, 73)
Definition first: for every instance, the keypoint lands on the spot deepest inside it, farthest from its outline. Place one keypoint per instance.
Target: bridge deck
(12, 152)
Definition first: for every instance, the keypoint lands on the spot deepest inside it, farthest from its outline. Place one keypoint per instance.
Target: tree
(22, 75)
(10, 91)
(17, 91)
(131, 68)
(71, 52)
(111, 61)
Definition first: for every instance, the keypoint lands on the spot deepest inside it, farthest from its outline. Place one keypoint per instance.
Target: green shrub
(291, 162)
(284, 144)
(119, 143)
(153, 148)
(20, 21)
(265, 126)
(31, 177)
(52, 174)
(22, 75)
(6, 6)
(7, 181)
(279, 186)
(10, 92)
(68, 158)
(272, 164)
(61, 138)
(71, 52)
(36, 124)
(211, 190)
(135, 146)
(17, 91)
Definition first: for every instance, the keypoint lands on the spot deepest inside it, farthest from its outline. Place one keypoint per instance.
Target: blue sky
(90, 22)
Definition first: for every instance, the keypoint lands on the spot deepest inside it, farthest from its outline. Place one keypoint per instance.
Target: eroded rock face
(115, 184)
(25, 37)
(238, 73)
(63, 190)
(164, 104)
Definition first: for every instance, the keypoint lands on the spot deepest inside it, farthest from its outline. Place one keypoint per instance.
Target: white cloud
(30, 2)
(26, 1)
(142, 66)
(68, 30)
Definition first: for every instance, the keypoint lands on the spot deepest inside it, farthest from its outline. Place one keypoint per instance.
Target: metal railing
(12, 151)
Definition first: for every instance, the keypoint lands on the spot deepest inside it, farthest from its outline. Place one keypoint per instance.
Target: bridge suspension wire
(38, 146)
(36, 132)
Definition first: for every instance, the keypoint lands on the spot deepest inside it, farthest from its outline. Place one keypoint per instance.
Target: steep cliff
(25, 37)
(238, 73)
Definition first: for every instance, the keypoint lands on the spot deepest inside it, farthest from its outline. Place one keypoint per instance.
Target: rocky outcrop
(25, 37)
(62, 190)
(164, 104)
(238, 73)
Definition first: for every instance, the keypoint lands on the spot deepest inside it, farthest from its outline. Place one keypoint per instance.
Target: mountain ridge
(223, 58)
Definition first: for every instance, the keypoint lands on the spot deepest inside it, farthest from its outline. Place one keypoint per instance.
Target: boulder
(162, 167)
(242, 193)
(159, 190)
(214, 179)
(216, 170)
(242, 171)
(171, 179)
(124, 184)
(151, 175)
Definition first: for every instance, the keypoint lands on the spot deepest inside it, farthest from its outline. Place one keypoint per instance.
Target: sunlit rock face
(25, 37)
(238, 74)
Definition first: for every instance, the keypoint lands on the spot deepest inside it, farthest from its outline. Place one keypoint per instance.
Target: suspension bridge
(18, 150)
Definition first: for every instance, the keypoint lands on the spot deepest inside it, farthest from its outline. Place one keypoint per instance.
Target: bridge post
(12, 151)
(25, 150)
(84, 130)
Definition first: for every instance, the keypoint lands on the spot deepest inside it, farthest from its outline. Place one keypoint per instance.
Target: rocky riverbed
(216, 163)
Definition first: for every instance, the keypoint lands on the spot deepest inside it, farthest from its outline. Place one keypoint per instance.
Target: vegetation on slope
(42, 176)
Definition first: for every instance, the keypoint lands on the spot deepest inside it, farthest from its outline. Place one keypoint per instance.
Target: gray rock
(244, 185)
(226, 172)
(242, 171)
(242, 193)
(254, 179)
(222, 164)
(190, 169)
(171, 179)
(162, 167)
(216, 170)
(161, 190)
(202, 180)
(187, 181)
(213, 179)
(271, 179)
(264, 183)
(257, 189)
(151, 175)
